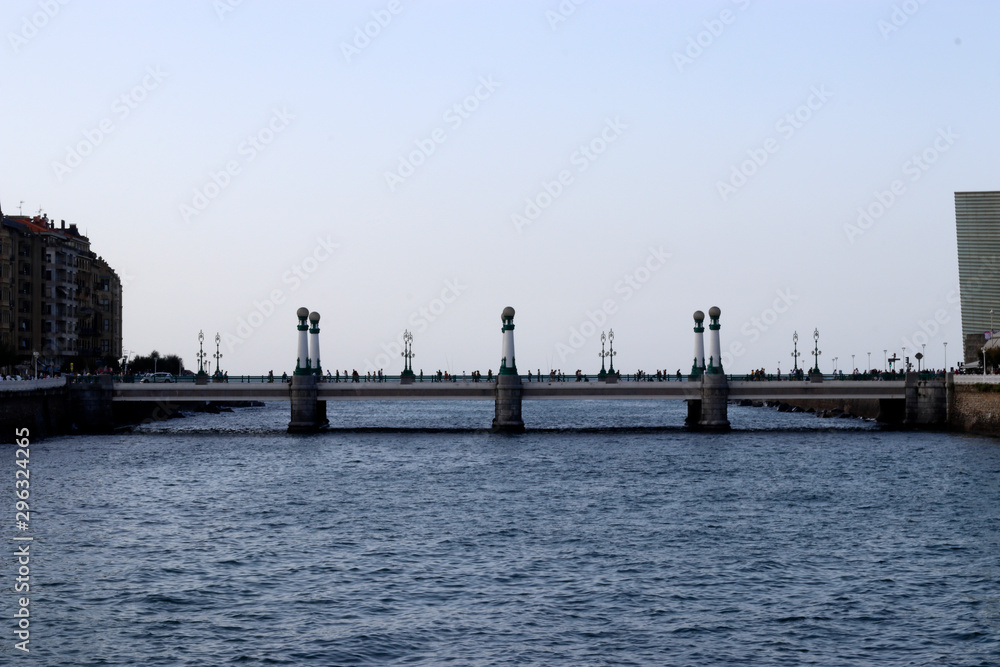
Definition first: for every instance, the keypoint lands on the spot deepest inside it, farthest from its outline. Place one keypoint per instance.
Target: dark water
(220, 540)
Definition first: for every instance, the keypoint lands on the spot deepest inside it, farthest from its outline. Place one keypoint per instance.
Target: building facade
(63, 308)
(977, 221)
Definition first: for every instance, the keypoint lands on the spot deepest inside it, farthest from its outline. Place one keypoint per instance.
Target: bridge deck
(627, 390)
(804, 389)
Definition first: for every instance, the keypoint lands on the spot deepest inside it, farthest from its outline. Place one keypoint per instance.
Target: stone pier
(714, 408)
(308, 413)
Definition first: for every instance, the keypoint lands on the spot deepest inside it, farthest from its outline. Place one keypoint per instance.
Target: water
(218, 539)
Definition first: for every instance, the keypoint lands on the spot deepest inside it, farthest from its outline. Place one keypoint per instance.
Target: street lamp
(868, 370)
(201, 353)
(946, 356)
(795, 353)
(835, 365)
(603, 374)
(407, 354)
(852, 364)
(885, 359)
(816, 351)
(218, 355)
(611, 351)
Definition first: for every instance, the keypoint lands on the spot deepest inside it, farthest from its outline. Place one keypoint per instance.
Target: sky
(596, 165)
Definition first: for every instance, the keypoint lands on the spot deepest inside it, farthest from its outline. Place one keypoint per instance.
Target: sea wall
(974, 405)
(856, 407)
(41, 406)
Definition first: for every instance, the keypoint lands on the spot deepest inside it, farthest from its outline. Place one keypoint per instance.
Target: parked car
(159, 377)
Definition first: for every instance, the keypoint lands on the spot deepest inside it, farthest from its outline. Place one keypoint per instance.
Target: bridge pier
(507, 417)
(308, 413)
(714, 403)
(926, 400)
(90, 405)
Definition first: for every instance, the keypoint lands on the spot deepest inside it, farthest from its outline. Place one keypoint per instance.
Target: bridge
(916, 399)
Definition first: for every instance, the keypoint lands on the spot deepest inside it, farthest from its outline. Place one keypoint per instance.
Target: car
(159, 377)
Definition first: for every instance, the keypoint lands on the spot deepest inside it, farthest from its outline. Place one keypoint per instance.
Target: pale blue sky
(440, 252)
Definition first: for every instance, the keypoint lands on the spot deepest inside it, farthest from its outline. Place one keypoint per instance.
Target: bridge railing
(533, 378)
(429, 377)
(830, 377)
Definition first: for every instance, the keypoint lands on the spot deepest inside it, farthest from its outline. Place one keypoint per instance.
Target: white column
(302, 362)
(699, 344)
(714, 345)
(507, 363)
(314, 343)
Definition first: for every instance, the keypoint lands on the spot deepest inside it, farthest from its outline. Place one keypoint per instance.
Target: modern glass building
(977, 221)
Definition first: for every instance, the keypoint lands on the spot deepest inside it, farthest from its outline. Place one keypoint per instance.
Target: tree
(155, 362)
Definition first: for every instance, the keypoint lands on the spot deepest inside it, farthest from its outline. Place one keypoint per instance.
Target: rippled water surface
(219, 539)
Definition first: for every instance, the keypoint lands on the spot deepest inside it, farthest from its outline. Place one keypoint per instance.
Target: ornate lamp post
(611, 352)
(816, 352)
(795, 352)
(201, 355)
(218, 355)
(603, 374)
(407, 376)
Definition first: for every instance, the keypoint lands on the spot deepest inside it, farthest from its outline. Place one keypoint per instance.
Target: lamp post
(201, 354)
(885, 359)
(835, 365)
(852, 364)
(816, 352)
(611, 351)
(946, 356)
(218, 355)
(795, 352)
(407, 353)
(868, 370)
(603, 374)
(906, 360)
